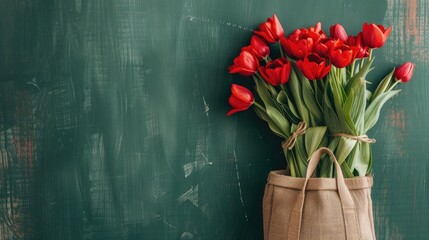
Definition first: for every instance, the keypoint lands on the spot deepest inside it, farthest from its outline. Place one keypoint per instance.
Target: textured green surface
(112, 118)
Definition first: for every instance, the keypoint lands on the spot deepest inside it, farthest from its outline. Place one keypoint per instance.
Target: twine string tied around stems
(361, 138)
(289, 143)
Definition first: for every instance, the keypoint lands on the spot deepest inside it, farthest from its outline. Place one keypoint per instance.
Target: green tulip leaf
(279, 120)
(372, 113)
(368, 155)
(338, 96)
(361, 74)
(347, 172)
(300, 152)
(345, 146)
(383, 85)
(313, 138)
(368, 95)
(329, 114)
(297, 168)
(359, 159)
(272, 89)
(326, 169)
(310, 100)
(283, 99)
(273, 126)
(264, 93)
(357, 112)
(348, 110)
(293, 108)
(295, 87)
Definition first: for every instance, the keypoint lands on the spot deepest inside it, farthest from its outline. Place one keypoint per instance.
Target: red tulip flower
(240, 100)
(337, 32)
(302, 41)
(276, 72)
(313, 67)
(323, 47)
(343, 55)
(374, 36)
(404, 72)
(316, 29)
(245, 64)
(259, 47)
(271, 30)
(357, 41)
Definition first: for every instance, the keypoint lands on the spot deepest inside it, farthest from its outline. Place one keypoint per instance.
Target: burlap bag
(317, 208)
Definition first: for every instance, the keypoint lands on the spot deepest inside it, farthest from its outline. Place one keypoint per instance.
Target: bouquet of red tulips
(314, 94)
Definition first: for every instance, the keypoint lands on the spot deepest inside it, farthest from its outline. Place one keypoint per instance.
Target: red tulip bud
(337, 32)
(276, 72)
(245, 64)
(404, 72)
(374, 36)
(259, 48)
(271, 30)
(240, 100)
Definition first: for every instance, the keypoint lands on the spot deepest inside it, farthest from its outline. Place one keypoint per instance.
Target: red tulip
(271, 30)
(297, 48)
(313, 66)
(343, 55)
(245, 64)
(404, 72)
(374, 36)
(276, 72)
(302, 41)
(259, 48)
(357, 41)
(323, 47)
(317, 29)
(337, 32)
(240, 100)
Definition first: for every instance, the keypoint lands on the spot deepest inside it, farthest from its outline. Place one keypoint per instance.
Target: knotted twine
(361, 138)
(289, 143)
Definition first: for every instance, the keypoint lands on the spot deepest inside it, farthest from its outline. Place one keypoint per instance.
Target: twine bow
(289, 143)
(361, 138)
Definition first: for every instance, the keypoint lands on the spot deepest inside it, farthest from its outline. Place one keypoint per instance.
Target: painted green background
(112, 118)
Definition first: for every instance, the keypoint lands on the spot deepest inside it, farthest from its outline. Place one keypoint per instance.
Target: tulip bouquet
(314, 92)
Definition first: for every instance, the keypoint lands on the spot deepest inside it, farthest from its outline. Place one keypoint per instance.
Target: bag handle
(351, 222)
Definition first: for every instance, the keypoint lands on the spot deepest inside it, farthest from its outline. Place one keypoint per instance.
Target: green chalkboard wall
(112, 118)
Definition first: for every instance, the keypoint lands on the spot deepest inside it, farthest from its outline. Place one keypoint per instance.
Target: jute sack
(317, 208)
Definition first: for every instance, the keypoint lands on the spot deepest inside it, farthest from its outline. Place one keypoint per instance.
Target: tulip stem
(266, 59)
(352, 70)
(259, 76)
(393, 85)
(315, 87)
(281, 50)
(259, 106)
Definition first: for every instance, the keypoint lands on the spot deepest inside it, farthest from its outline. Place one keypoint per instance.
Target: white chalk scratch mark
(191, 18)
(189, 168)
(191, 195)
(239, 186)
(206, 107)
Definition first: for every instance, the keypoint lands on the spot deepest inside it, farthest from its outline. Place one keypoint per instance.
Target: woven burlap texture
(317, 208)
